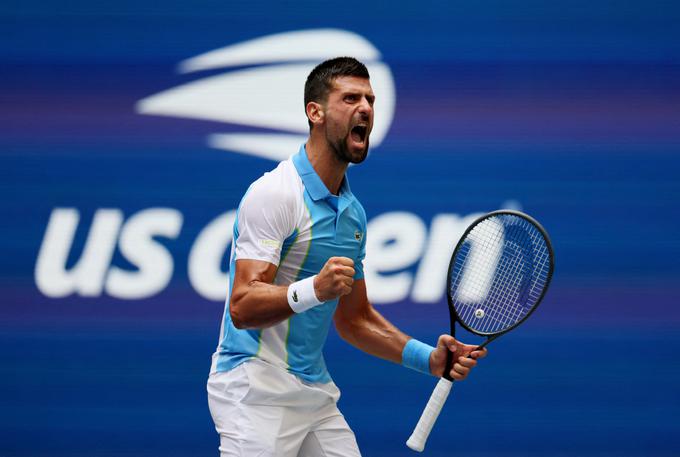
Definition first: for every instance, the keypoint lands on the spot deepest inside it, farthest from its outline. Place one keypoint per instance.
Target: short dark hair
(320, 80)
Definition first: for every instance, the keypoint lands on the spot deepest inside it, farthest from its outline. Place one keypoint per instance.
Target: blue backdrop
(112, 220)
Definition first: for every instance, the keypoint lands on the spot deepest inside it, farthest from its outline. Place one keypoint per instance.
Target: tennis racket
(498, 275)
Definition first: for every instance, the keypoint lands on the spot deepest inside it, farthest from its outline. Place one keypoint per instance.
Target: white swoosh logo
(270, 96)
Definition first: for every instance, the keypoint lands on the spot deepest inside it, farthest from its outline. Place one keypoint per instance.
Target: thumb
(448, 342)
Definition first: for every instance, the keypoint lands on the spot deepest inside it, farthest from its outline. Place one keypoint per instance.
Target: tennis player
(296, 263)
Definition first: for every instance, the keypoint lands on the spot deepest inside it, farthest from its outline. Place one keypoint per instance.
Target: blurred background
(126, 143)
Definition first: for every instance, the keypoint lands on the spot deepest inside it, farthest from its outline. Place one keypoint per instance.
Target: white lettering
(87, 276)
(395, 241)
(154, 262)
(205, 257)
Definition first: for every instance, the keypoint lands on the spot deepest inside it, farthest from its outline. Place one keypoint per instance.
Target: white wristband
(301, 295)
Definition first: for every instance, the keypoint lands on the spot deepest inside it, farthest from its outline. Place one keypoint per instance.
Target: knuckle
(347, 261)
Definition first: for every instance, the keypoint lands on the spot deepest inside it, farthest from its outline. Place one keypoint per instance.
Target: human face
(349, 118)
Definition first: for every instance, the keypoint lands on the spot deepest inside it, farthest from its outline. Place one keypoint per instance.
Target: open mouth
(359, 133)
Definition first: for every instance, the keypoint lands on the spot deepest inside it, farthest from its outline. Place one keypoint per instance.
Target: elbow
(236, 314)
(236, 320)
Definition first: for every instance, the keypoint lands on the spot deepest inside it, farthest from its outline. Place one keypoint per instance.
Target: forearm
(373, 334)
(256, 302)
(259, 305)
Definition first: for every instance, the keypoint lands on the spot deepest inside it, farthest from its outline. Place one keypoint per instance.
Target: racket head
(499, 272)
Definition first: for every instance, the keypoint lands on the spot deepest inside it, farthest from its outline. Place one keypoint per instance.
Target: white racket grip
(429, 417)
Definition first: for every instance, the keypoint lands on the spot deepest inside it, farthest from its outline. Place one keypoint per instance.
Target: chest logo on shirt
(358, 235)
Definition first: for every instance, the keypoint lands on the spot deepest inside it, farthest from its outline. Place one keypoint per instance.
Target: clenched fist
(335, 279)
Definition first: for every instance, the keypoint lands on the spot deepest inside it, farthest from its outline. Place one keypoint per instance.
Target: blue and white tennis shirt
(290, 219)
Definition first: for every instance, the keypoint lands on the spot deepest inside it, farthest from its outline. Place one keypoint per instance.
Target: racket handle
(429, 417)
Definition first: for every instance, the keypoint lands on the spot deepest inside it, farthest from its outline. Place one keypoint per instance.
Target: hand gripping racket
(498, 274)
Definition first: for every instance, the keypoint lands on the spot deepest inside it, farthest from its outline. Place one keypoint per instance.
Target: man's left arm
(358, 323)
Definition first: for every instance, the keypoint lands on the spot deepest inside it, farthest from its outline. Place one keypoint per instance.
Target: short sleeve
(264, 221)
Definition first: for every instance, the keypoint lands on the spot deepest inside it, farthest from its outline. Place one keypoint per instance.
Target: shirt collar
(313, 183)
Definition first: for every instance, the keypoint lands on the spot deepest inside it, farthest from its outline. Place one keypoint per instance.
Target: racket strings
(499, 273)
(487, 240)
(498, 308)
(505, 296)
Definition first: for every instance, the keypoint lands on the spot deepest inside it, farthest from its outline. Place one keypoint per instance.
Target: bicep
(249, 271)
(247, 274)
(254, 301)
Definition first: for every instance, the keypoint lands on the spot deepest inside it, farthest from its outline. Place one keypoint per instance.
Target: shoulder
(279, 188)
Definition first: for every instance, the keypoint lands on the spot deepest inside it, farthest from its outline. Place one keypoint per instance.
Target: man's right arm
(257, 303)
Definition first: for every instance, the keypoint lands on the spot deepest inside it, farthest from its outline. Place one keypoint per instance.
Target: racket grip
(434, 406)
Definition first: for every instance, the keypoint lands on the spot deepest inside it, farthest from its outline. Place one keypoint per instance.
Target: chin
(360, 157)
(347, 152)
(357, 155)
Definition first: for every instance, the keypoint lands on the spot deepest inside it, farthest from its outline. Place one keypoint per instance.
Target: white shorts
(261, 410)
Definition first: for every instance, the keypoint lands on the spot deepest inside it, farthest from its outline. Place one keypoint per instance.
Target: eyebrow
(369, 96)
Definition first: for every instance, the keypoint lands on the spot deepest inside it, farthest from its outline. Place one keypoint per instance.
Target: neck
(330, 169)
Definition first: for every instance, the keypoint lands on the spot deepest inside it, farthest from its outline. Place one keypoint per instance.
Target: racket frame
(429, 416)
(453, 314)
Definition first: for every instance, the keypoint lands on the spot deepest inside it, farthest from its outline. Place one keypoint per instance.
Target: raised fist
(335, 279)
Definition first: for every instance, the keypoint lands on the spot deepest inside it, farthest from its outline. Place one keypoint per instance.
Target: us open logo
(261, 87)
(264, 89)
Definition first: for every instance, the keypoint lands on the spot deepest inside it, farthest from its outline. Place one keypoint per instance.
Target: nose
(365, 109)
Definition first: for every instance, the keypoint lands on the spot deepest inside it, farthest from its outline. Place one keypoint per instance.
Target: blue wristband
(416, 356)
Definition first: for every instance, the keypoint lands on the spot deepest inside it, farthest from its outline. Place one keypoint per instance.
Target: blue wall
(569, 111)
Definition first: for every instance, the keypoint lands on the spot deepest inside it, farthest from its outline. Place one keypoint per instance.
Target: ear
(315, 112)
